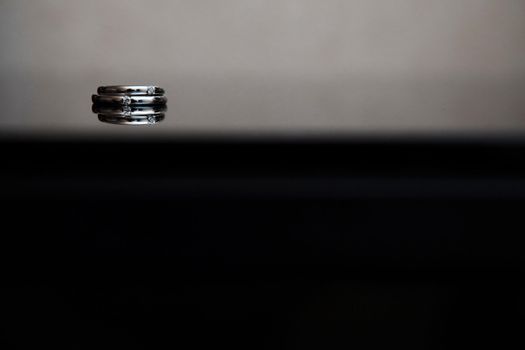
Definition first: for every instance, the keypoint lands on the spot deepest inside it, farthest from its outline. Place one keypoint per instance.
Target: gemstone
(151, 90)
(151, 119)
(126, 100)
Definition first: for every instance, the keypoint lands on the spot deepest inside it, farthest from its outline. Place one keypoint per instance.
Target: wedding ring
(132, 120)
(130, 90)
(125, 100)
(128, 110)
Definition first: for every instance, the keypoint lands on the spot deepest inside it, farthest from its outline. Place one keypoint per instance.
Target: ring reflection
(130, 115)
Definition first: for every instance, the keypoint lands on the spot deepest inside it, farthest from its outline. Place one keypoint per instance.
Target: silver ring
(130, 90)
(129, 100)
(128, 110)
(132, 120)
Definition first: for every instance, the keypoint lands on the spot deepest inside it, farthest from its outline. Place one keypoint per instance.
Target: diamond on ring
(126, 100)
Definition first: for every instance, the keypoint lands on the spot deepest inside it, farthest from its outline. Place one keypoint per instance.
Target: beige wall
(269, 65)
(158, 39)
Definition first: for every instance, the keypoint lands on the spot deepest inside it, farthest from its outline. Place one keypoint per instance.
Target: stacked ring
(131, 120)
(128, 110)
(130, 90)
(124, 100)
(129, 95)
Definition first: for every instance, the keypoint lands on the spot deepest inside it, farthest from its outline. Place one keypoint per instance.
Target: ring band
(128, 110)
(133, 120)
(129, 100)
(130, 90)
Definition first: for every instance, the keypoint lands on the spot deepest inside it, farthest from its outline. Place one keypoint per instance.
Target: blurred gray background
(272, 65)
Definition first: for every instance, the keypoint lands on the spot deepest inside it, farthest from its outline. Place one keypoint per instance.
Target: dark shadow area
(266, 245)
